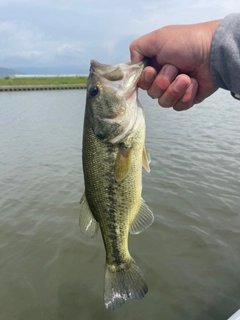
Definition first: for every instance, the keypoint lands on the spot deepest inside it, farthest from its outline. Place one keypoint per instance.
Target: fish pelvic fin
(87, 223)
(143, 219)
(123, 283)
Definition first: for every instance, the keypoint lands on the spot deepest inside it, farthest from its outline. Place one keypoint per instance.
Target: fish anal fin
(146, 159)
(87, 223)
(122, 163)
(143, 219)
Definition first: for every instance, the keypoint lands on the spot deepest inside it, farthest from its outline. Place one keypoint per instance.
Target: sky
(69, 33)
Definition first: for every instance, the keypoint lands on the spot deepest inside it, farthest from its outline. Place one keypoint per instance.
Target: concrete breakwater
(42, 87)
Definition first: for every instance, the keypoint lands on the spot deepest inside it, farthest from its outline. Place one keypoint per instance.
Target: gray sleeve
(225, 54)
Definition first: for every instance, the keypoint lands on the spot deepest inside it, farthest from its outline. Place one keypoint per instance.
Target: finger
(135, 52)
(175, 91)
(162, 81)
(147, 78)
(187, 100)
(144, 46)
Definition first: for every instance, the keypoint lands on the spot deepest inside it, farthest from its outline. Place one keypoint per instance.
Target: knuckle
(169, 99)
(158, 87)
(183, 104)
(154, 92)
(161, 83)
(164, 103)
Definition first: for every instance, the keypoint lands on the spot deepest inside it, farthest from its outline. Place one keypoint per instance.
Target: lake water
(190, 256)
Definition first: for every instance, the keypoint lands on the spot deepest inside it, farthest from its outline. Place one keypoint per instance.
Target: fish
(113, 154)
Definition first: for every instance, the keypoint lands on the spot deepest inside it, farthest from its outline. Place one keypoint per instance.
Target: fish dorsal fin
(143, 219)
(146, 159)
(87, 223)
(122, 163)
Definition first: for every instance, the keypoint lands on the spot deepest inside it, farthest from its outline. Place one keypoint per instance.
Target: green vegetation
(54, 81)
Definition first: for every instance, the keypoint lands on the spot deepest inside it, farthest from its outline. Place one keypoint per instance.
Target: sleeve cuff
(225, 54)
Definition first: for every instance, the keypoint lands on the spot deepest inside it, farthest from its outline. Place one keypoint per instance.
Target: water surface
(190, 256)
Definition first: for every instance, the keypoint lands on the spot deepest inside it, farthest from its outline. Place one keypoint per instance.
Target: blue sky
(46, 33)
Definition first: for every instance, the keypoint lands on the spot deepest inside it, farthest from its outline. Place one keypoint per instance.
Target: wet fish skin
(113, 155)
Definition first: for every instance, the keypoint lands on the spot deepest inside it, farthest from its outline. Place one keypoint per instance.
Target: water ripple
(190, 255)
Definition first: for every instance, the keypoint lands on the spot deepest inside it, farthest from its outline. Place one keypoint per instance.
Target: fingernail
(180, 84)
(149, 77)
(169, 72)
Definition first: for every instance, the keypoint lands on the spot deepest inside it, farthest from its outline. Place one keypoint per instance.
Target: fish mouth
(123, 71)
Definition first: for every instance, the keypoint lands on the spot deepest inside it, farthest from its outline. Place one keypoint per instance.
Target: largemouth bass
(113, 154)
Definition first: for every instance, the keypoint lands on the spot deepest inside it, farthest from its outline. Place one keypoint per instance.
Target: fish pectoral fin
(143, 219)
(122, 163)
(87, 223)
(146, 159)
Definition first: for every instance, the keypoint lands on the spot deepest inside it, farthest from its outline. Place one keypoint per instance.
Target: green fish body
(113, 155)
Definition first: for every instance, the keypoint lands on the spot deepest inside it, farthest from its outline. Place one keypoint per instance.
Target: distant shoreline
(43, 83)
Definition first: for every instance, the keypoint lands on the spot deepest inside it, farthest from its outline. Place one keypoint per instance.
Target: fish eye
(93, 91)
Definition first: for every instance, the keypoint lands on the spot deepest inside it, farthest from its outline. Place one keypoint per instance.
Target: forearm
(225, 54)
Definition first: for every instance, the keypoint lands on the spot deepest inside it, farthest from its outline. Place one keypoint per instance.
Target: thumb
(144, 46)
(135, 53)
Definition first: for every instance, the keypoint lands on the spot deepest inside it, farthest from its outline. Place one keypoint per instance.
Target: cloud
(20, 42)
(30, 54)
(230, 5)
(69, 49)
(23, 44)
(51, 33)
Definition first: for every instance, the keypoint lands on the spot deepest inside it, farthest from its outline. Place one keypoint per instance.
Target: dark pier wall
(41, 87)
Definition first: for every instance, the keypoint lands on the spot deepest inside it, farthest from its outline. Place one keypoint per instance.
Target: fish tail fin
(123, 283)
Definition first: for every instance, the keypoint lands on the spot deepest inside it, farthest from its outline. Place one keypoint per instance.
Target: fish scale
(119, 203)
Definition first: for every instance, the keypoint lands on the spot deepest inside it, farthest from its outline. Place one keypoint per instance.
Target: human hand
(179, 75)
